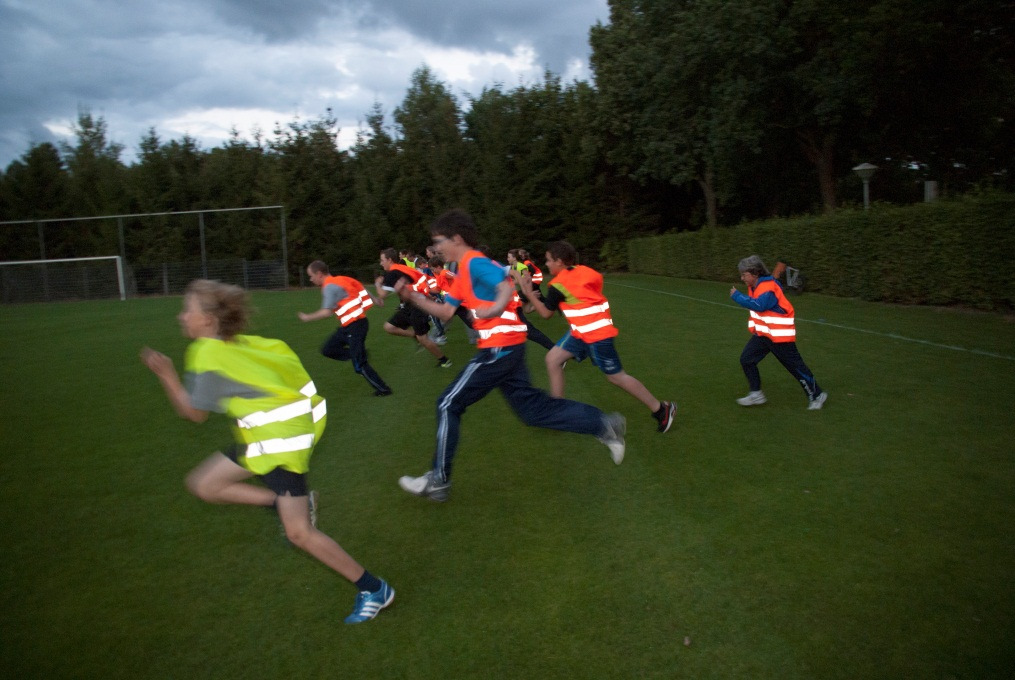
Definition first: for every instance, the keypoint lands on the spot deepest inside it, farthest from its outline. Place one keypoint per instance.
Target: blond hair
(228, 304)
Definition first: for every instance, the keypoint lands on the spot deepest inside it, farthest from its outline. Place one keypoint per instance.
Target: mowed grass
(870, 539)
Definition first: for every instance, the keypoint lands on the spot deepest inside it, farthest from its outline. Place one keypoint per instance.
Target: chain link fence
(171, 278)
(52, 281)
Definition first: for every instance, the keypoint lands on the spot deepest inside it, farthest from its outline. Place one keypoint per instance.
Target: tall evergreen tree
(374, 166)
(34, 187)
(431, 165)
(96, 187)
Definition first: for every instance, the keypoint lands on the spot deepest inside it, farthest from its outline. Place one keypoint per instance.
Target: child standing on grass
(278, 419)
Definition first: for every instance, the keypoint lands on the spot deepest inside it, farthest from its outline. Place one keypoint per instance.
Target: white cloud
(216, 123)
(203, 68)
(470, 69)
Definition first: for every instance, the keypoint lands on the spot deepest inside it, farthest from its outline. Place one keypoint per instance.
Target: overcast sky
(202, 67)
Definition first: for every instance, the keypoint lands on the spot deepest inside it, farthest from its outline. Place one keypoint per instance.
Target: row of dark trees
(702, 112)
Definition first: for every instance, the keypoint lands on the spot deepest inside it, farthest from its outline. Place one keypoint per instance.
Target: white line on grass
(893, 336)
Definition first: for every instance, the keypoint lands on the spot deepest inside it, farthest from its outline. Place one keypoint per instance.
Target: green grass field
(872, 539)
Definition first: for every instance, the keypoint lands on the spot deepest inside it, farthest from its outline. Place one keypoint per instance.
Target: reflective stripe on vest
(280, 419)
(585, 307)
(537, 276)
(509, 316)
(418, 278)
(501, 331)
(287, 412)
(352, 307)
(778, 327)
(275, 446)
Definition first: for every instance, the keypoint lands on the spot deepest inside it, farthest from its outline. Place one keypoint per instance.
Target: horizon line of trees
(702, 113)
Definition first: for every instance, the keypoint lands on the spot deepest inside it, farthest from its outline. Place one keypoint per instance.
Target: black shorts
(282, 482)
(411, 316)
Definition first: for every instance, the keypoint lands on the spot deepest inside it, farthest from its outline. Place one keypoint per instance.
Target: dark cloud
(558, 31)
(142, 65)
(275, 20)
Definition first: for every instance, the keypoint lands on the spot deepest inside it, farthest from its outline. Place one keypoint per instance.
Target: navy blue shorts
(283, 482)
(603, 353)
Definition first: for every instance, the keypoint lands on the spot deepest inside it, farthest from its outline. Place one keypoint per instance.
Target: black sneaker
(444, 363)
(382, 393)
(669, 411)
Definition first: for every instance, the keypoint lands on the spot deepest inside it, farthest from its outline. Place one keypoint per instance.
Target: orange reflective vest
(537, 276)
(584, 306)
(431, 284)
(777, 326)
(500, 331)
(354, 306)
(419, 282)
(444, 280)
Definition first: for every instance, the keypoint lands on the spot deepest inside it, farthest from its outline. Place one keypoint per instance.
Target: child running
(278, 419)
(485, 290)
(577, 291)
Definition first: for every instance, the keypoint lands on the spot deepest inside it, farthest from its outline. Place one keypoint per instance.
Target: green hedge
(949, 252)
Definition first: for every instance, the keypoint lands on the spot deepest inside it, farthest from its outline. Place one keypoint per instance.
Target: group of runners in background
(278, 416)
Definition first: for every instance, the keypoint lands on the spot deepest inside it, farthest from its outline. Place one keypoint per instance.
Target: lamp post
(865, 171)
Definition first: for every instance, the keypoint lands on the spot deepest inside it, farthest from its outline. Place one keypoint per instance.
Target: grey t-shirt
(332, 294)
(209, 390)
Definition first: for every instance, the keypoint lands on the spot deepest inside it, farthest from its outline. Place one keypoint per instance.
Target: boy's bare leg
(555, 359)
(635, 388)
(294, 511)
(220, 480)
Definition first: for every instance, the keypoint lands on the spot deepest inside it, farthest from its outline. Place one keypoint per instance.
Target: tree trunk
(819, 147)
(707, 184)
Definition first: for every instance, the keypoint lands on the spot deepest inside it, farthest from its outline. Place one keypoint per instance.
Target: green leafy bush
(954, 252)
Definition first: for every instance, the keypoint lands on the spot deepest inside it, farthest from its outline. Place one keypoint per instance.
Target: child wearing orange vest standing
(577, 291)
(487, 292)
(347, 299)
(773, 329)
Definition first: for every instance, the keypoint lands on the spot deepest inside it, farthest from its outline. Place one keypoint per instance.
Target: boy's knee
(298, 535)
(616, 378)
(197, 484)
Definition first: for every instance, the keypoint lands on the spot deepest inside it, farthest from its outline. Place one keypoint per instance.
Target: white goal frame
(117, 258)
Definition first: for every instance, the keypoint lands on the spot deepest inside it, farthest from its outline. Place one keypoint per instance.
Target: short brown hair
(563, 251)
(456, 222)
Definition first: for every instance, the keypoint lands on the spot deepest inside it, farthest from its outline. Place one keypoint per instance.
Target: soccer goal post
(69, 278)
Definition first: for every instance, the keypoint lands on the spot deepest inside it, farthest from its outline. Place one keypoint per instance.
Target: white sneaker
(753, 399)
(613, 437)
(817, 402)
(425, 486)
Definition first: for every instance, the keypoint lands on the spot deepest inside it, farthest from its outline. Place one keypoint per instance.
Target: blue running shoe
(368, 604)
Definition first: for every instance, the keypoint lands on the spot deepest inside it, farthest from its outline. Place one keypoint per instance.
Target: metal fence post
(204, 255)
(285, 251)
